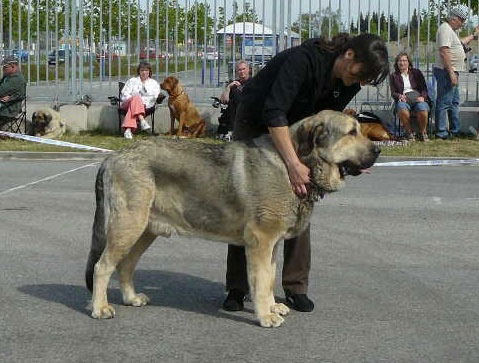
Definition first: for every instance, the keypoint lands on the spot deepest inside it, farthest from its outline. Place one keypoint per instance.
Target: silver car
(473, 63)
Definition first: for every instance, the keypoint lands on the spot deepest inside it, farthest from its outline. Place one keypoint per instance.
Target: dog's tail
(98, 240)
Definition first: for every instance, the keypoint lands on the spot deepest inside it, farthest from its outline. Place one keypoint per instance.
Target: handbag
(412, 97)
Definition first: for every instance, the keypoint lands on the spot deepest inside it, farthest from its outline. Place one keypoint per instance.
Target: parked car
(145, 55)
(473, 63)
(52, 59)
(20, 54)
(211, 54)
(105, 56)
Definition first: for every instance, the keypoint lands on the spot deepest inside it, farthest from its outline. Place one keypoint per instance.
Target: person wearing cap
(450, 56)
(12, 88)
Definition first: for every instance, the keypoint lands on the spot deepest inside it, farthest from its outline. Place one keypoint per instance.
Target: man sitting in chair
(12, 90)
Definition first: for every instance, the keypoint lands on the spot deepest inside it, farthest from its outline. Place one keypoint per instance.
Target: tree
(196, 13)
(249, 15)
(306, 19)
(159, 9)
(95, 12)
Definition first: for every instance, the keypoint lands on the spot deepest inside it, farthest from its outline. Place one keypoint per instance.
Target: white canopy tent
(249, 28)
(254, 42)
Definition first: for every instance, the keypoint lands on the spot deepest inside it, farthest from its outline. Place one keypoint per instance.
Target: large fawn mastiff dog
(236, 193)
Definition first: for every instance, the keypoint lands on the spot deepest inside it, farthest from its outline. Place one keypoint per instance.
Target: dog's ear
(312, 133)
(34, 116)
(48, 117)
(174, 83)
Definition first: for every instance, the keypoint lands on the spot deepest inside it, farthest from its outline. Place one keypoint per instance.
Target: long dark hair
(402, 54)
(369, 50)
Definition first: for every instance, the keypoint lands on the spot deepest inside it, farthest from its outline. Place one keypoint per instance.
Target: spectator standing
(450, 56)
(409, 90)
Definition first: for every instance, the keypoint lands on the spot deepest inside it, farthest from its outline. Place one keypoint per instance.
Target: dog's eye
(353, 132)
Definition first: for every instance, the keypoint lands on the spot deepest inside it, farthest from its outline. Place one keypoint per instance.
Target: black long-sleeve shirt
(293, 85)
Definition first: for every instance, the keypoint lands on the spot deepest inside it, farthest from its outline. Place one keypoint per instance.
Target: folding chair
(115, 100)
(17, 123)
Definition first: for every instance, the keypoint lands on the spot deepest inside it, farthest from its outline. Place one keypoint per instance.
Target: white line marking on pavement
(433, 162)
(52, 142)
(45, 179)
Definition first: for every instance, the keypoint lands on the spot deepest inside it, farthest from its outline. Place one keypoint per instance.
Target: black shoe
(234, 300)
(300, 302)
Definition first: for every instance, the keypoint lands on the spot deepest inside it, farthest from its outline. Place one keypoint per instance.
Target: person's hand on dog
(299, 177)
(5, 98)
(298, 172)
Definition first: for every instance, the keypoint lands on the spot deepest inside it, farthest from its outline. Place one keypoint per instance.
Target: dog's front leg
(172, 122)
(259, 255)
(278, 308)
(181, 125)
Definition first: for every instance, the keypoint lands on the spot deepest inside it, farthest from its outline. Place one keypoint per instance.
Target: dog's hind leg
(127, 225)
(118, 246)
(259, 255)
(126, 268)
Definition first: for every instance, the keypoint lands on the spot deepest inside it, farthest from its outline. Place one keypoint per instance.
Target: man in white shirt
(450, 56)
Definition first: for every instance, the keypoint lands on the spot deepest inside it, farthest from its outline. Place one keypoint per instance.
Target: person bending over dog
(295, 84)
(138, 94)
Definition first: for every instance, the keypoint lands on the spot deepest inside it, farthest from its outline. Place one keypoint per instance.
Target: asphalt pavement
(394, 277)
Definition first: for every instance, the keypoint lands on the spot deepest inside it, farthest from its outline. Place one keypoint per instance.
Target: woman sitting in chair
(138, 94)
(409, 90)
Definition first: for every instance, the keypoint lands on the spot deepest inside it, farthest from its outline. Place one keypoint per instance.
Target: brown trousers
(297, 251)
(297, 263)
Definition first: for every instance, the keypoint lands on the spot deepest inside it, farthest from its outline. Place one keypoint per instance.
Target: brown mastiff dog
(151, 189)
(182, 109)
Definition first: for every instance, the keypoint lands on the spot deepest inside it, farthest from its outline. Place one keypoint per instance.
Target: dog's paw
(105, 312)
(280, 309)
(271, 320)
(138, 300)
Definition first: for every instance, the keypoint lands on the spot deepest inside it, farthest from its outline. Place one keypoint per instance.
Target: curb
(32, 155)
(67, 155)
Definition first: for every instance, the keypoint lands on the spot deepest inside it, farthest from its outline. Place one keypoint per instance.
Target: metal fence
(69, 48)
